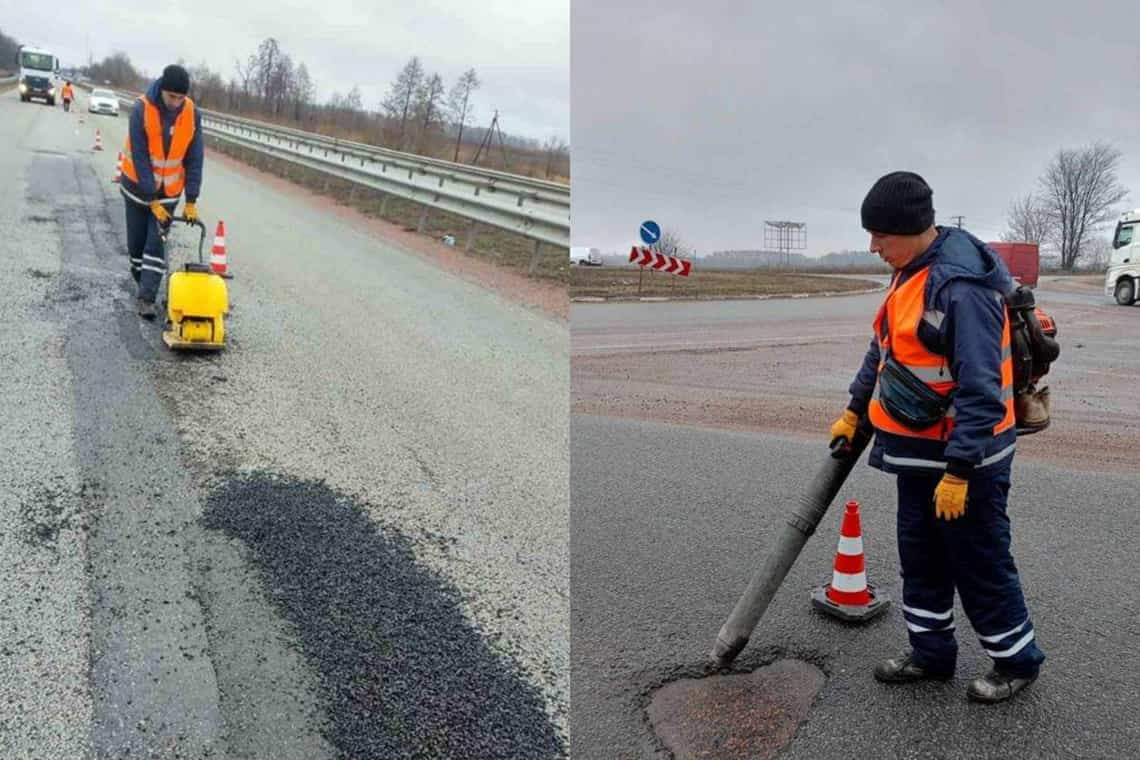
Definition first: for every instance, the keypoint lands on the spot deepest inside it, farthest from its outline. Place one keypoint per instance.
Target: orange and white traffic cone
(849, 596)
(218, 252)
(118, 168)
(98, 140)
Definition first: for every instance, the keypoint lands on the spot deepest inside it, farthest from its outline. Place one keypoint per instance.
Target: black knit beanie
(175, 79)
(900, 203)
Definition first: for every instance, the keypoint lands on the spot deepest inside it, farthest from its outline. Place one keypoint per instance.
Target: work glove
(844, 427)
(950, 497)
(160, 213)
(191, 211)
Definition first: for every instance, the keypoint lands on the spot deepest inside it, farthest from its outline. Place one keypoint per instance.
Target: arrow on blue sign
(650, 232)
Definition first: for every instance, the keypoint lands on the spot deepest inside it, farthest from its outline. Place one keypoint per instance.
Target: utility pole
(960, 218)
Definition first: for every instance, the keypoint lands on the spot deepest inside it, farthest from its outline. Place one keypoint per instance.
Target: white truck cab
(39, 74)
(1122, 281)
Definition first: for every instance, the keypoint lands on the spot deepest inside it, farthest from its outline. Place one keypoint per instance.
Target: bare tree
(1029, 221)
(304, 93)
(1096, 253)
(402, 94)
(8, 50)
(429, 105)
(245, 73)
(283, 83)
(266, 67)
(557, 157)
(116, 69)
(1079, 191)
(459, 101)
(671, 244)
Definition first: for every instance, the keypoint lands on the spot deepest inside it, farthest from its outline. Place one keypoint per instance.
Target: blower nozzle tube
(801, 523)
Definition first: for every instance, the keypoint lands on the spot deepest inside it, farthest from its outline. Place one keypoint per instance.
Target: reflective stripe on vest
(169, 174)
(896, 327)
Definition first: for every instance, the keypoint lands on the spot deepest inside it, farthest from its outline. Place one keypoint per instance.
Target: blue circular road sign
(650, 232)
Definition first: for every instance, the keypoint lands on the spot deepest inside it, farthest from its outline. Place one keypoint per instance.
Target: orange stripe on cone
(118, 168)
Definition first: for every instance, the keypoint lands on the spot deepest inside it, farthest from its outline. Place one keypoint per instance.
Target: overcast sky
(521, 51)
(711, 117)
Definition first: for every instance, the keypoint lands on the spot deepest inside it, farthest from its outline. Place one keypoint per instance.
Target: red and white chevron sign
(644, 257)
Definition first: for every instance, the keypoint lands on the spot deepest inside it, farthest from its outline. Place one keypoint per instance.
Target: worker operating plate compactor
(197, 302)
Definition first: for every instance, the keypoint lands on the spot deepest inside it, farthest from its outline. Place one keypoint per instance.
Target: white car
(103, 101)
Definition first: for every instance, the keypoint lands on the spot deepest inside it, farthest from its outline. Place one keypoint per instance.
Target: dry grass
(498, 246)
(622, 282)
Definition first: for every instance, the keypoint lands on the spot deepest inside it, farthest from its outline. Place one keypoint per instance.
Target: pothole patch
(739, 715)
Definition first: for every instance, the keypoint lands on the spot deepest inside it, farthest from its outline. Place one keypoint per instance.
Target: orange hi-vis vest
(67, 93)
(896, 327)
(169, 174)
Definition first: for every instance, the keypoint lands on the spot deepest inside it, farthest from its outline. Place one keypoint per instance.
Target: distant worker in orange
(67, 94)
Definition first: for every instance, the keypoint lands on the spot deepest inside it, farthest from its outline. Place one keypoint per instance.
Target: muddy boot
(146, 309)
(996, 687)
(903, 669)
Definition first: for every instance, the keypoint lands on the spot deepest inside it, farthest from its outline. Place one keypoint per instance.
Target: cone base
(847, 612)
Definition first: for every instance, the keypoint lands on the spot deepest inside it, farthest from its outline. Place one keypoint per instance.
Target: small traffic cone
(98, 140)
(118, 168)
(849, 596)
(218, 252)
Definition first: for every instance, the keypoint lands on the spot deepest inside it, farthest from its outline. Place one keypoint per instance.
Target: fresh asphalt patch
(402, 673)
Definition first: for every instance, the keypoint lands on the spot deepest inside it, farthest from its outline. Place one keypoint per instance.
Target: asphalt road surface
(696, 427)
(344, 536)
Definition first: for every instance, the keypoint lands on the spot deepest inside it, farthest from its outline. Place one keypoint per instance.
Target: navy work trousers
(145, 248)
(971, 554)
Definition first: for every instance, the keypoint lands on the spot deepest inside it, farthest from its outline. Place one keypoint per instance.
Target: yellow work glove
(160, 213)
(844, 427)
(950, 497)
(191, 211)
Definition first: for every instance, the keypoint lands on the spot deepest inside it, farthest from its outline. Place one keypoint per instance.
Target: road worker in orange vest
(937, 385)
(162, 160)
(67, 93)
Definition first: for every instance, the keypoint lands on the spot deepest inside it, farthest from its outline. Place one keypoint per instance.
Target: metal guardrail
(532, 208)
(9, 80)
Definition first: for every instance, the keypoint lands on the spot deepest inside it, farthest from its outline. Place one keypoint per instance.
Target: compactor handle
(201, 228)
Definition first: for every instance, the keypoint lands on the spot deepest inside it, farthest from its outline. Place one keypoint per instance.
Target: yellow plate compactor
(196, 303)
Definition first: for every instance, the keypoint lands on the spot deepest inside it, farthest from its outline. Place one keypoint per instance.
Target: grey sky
(711, 117)
(521, 51)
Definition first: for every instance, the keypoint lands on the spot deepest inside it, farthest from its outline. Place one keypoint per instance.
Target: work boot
(903, 669)
(146, 309)
(996, 687)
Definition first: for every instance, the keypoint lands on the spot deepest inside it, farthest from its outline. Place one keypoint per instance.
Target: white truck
(39, 74)
(586, 257)
(1122, 281)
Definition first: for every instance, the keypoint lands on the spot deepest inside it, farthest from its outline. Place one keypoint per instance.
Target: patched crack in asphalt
(402, 672)
(751, 659)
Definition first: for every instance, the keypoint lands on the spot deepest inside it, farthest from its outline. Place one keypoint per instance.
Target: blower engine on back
(1033, 340)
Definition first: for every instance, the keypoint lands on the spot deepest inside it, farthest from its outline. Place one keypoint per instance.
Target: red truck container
(1022, 259)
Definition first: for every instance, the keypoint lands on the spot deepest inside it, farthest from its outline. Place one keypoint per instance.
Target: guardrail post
(384, 204)
(423, 220)
(534, 257)
(471, 232)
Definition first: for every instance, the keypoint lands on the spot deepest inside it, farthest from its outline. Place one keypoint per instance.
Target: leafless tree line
(418, 114)
(9, 48)
(1077, 196)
